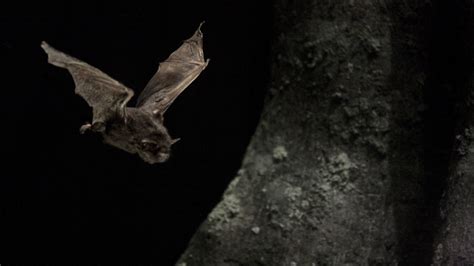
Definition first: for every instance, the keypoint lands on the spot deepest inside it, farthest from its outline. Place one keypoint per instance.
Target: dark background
(69, 195)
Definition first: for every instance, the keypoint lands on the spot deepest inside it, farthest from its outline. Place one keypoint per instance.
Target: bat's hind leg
(96, 127)
(84, 128)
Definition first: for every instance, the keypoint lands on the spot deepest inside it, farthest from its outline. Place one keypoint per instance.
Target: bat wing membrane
(105, 95)
(174, 75)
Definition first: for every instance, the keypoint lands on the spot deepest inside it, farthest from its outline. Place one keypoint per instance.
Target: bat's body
(137, 129)
(138, 132)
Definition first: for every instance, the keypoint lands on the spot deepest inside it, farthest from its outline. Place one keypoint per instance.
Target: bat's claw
(96, 127)
(84, 128)
(197, 36)
(200, 25)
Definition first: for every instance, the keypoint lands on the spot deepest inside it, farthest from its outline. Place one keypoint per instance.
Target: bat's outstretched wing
(106, 96)
(181, 68)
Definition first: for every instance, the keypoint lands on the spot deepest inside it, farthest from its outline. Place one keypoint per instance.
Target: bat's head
(154, 150)
(142, 134)
(153, 143)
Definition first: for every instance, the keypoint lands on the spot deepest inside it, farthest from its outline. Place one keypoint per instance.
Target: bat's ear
(200, 25)
(173, 141)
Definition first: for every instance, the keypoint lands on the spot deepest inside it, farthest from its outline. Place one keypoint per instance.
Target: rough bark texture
(340, 170)
(454, 243)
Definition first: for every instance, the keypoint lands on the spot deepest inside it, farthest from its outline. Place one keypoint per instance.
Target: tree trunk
(454, 244)
(340, 170)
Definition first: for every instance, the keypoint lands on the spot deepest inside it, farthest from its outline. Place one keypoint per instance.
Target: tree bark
(454, 240)
(337, 171)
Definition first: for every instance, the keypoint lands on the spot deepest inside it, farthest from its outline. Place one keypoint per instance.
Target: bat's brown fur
(137, 129)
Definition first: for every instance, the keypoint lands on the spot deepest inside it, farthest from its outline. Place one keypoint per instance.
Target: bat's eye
(146, 143)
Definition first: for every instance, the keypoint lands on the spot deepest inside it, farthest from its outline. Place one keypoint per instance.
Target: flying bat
(138, 129)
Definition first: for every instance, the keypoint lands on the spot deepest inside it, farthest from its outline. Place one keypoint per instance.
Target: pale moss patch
(227, 209)
(234, 183)
(340, 164)
(279, 153)
(256, 230)
(294, 195)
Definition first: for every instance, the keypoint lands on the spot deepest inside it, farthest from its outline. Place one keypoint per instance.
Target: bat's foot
(84, 128)
(96, 127)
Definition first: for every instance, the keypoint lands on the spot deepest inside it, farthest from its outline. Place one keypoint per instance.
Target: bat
(138, 129)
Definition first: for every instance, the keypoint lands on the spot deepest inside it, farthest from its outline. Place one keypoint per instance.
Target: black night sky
(66, 195)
